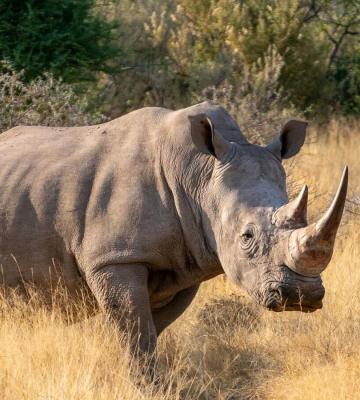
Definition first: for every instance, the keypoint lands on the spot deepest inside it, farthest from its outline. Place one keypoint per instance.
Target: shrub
(44, 101)
(257, 101)
(346, 78)
(63, 37)
(175, 50)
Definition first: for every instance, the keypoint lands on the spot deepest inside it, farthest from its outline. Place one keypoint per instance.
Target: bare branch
(313, 11)
(335, 51)
(332, 39)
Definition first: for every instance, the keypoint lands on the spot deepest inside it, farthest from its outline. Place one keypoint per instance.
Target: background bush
(63, 37)
(44, 101)
(261, 57)
(173, 51)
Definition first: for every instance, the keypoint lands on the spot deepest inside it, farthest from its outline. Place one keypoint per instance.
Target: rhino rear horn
(295, 212)
(311, 247)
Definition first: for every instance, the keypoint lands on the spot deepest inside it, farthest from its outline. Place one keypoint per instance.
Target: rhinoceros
(145, 207)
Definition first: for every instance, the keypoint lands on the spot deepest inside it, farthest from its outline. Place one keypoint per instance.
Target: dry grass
(224, 347)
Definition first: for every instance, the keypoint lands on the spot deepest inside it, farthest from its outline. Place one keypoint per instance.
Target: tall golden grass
(224, 347)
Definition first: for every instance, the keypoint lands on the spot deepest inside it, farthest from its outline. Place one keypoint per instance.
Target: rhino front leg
(166, 315)
(122, 291)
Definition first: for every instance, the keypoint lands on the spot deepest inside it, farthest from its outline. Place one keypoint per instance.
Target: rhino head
(262, 241)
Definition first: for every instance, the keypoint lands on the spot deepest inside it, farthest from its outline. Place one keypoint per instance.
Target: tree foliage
(173, 53)
(196, 45)
(63, 37)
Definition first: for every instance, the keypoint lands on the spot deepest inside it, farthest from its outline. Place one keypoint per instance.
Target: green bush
(63, 37)
(346, 78)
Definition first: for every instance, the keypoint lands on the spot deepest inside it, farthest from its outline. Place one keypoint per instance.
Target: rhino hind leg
(122, 292)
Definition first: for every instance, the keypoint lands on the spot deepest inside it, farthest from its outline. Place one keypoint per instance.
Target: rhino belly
(33, 264)
(34, 254)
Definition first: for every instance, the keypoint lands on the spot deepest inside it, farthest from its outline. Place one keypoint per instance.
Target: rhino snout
(305, 295)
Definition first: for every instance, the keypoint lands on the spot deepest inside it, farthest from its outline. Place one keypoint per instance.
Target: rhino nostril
(274, 299)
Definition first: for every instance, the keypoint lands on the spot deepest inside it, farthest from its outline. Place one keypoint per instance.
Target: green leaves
(63, 37)
(162, 52)
(346, 79)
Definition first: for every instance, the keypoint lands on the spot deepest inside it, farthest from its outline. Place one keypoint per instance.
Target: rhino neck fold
(186, 177)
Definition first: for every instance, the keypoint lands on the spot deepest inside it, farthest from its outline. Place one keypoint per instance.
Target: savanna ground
(224, 347)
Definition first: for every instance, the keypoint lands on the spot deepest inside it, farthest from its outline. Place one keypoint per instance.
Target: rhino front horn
(311, 247)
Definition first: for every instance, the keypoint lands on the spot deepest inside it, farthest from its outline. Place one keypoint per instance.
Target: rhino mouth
(286, 298)
(294, 307)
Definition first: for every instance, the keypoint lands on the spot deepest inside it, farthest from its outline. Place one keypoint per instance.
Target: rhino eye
(248, 236)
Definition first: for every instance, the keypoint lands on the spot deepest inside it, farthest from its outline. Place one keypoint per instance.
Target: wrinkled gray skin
(146, 207)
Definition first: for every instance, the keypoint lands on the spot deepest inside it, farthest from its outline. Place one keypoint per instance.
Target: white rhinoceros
(146, 207)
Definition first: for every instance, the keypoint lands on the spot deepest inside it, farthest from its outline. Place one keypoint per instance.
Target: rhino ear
(290, 140)
(206, 138)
